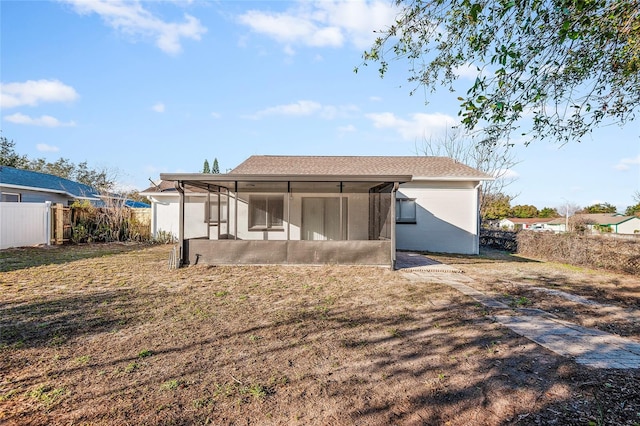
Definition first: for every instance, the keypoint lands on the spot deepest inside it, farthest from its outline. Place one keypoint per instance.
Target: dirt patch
(611, 301)
(120, 339)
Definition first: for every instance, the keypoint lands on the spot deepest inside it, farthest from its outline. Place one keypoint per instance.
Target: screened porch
(287, 219)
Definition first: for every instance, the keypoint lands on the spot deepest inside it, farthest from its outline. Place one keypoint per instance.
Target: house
(26, 186)
(516, 223)
(557, 225)
(607, 223)
(315, 210)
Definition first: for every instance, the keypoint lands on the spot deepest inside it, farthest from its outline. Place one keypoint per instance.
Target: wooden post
(59, 228)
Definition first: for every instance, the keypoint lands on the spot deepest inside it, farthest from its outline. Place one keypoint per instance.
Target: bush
(599, 251)
(114, 222)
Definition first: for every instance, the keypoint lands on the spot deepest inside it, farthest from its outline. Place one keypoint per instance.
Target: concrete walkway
(586, 346)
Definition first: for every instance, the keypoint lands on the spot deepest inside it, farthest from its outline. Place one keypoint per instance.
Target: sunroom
(287, 219)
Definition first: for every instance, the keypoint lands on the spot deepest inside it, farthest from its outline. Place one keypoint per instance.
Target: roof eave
(54, 191)
(213, 179)
(452, 178)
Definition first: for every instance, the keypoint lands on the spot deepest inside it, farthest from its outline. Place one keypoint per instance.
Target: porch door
(321, 218)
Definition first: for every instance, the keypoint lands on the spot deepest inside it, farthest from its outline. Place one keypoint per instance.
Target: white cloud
(159, 107)
(627, 163)
(43, 147)
(34, 92)
(216, 115)
(347, 129)
(132, 19)
(324, 23)
(466, 71)
(305, 108)
(506, 174)
(44, 120)
(375, 98)
(420, 126)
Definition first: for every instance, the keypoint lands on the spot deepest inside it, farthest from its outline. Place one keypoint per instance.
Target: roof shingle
(420, 167)
(44, 181)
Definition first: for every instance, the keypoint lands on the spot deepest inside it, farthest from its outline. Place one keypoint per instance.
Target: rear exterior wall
(446, 218)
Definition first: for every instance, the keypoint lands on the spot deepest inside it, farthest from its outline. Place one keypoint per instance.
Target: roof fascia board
(452, 178)
(39, 189)
(173, 194)
(212, 178)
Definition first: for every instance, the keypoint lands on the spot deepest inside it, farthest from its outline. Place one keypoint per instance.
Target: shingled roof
(602, 218)
(28, 179)
(420, 167)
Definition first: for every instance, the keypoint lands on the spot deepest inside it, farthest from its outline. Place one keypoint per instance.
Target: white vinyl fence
(24, 224)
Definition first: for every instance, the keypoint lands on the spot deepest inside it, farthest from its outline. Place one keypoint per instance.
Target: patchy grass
(111, 336)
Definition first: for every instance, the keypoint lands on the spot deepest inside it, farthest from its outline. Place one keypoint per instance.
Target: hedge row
(599, 251)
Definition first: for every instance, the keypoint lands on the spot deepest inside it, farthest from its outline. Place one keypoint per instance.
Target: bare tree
(568, 209)
(496, 159)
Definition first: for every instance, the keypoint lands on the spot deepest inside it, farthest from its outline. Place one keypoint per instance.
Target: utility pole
(566, 215)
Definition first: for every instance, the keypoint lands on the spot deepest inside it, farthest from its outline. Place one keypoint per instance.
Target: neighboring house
(607, 222)
(516, 223)
(26, 186)
(312, 209)
(557, 225)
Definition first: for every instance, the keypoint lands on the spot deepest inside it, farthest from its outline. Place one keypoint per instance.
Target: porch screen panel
(275, 209)
(321, 219)
(380, 213)
(266, 212)
(258, 212)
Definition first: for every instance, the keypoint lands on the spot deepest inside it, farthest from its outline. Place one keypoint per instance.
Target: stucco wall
(165, 214)
(629, 226)
(446, 213)
(446, 218)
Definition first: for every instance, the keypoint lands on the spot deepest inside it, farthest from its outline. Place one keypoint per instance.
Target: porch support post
(220, 211)
(288, 210)
(207, 214)
(341, 213)
(180, 190)
(235, 212)
(393, 225)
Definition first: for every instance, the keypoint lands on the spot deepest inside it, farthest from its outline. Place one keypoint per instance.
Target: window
(266, 212)
(211, 210)
(405, 210)
(8, 197)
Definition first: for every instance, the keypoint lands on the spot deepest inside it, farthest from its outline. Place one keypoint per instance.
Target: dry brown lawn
(108, 335)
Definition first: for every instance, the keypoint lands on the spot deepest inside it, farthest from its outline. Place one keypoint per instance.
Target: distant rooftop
(28, 179)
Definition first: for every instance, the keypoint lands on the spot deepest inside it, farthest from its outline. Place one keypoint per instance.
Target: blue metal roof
(137, 204)
(45, 182)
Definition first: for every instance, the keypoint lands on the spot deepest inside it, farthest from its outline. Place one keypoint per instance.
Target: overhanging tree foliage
(101, 179)
(600, 208)
(567, 64)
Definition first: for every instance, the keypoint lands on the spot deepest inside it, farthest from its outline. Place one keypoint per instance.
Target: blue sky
(151, 87)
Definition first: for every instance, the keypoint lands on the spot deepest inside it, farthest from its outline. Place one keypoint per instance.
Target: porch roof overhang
(206, 180)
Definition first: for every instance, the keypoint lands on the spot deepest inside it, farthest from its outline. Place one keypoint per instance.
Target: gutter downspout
(180, 189)
(396, 185)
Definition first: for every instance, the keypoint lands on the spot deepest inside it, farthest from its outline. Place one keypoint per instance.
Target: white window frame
(410, 208)
(270, 224)
(16, 194)
(211, 210)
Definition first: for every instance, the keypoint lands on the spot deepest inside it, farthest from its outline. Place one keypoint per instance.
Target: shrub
(113, 222)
